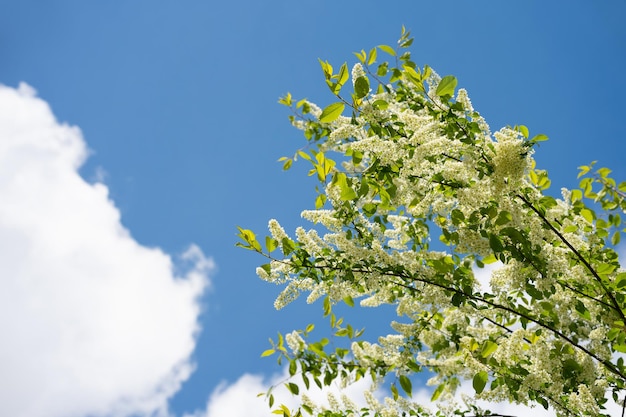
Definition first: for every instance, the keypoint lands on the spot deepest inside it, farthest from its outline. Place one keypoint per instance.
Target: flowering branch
(415, 161)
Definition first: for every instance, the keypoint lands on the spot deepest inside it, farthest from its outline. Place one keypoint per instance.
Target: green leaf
(267, 268)
(380, 104)
(576, 195)
(349, 301)
(250, 238)
(343, 75)
(332, 112)
(369, 209)
(304, 155)
(458, 299)
(293, 388)
(446, 86)
(388, 49)
(361, 56)
(413, 75)
(288, 246)
(341, 332)
(381, 71)
(270, 243)
(539, 138)
(413, 366)
(523, 130)
(327, 306)
(570, 228)
(503, 218)
(587, 214)
(489, 259)
(615, 239)
(438, 392)
(327, 68)
(347, 193)
(605, 269)
(620, 280)
(495, 243)
(584, 169)
(320, 200)
(603, 172)
(281, 343)
(268, 352)
(287, 164)
(488, 348)
(479, 381)
(394, 391)
(286, 100)
(361, 87)
(323, 166)
(372, 56)
(406, 385)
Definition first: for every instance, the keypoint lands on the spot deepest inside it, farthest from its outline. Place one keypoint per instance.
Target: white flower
(295, 342)
(357, 71)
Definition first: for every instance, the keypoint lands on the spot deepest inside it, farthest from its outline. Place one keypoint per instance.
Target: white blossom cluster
(480, 193)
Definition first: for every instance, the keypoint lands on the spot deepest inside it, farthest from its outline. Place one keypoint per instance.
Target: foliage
(415, 195)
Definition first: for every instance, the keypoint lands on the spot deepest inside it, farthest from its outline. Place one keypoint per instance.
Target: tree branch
(582, 259)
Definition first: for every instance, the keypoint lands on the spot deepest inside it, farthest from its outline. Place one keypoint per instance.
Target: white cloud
(483, 275)
(239, 399)
(91, 322)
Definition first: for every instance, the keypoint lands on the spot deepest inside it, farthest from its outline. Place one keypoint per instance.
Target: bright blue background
(178, 101)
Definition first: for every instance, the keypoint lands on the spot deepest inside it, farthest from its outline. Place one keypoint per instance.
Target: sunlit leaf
(406, 385)
(438, 391)
(270, 243)
(372, 56)
(388, 49)
(488, 348)
(380, 104)
(479, 381)
(343, 74)
(539, 138)
(268, 352)
(286, 100)
(446, 86)
(332, 112)
(361, 87)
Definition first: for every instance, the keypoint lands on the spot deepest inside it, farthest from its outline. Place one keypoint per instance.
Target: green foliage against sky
(415, 195)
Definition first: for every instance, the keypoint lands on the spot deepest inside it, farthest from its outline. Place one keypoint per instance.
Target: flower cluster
(424, 196)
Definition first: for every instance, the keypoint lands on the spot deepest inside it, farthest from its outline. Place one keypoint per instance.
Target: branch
(586, 263)
(607, 364)
(558, 333)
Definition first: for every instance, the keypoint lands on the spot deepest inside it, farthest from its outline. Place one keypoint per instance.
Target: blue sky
(177, 104)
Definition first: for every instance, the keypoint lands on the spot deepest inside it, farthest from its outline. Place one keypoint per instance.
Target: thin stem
(569, 287)
(558, 333)
(582, 259)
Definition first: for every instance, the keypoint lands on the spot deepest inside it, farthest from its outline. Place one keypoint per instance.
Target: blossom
(295, 342)
(357, 71)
